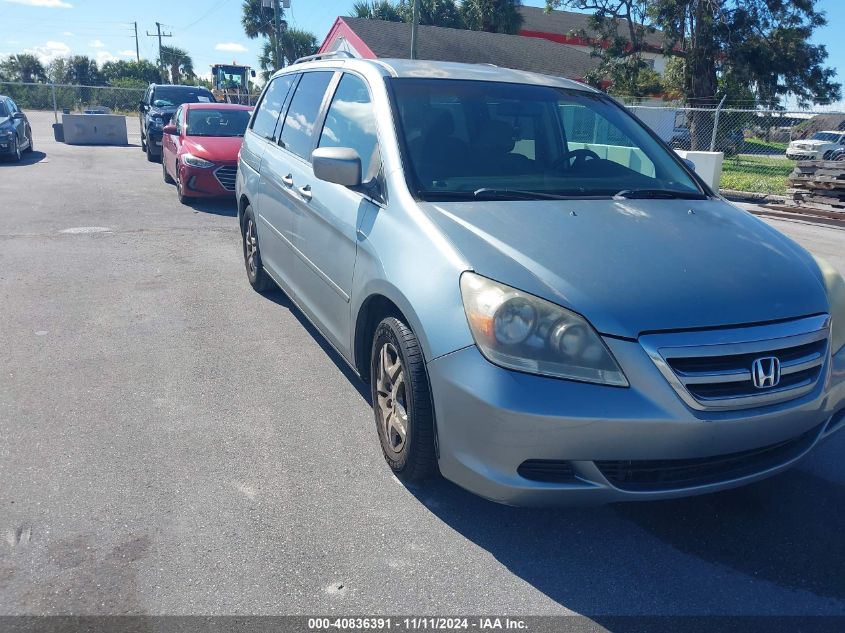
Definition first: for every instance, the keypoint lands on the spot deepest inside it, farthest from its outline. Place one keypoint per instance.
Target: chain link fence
(68, 98)
(760, 146)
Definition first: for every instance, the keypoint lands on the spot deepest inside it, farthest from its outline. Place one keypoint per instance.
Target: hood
(214, 148)
(813, 142)
(633, 266)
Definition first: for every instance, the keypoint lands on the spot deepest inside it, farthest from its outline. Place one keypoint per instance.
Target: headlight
(7, 133)
(196, 161)
(519, 331)
(835, 287)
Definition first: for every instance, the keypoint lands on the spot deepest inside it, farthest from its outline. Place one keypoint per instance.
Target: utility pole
(276, 13)
(137, 48)
(415, 22)
(159, 35)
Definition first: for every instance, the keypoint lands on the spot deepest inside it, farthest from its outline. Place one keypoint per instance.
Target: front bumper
(154, 136)
(804, 154)
(490, 420)
(208, 182)
(7, 146)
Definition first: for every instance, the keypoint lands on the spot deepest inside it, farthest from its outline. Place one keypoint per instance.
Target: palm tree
(496, 16)
(297, 43)
(25, 68)
(258, 20)
(179, 63)
(435, 12)
(377, 10)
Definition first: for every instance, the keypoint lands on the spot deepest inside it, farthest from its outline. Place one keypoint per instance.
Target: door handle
(305, 192)
(288, 180)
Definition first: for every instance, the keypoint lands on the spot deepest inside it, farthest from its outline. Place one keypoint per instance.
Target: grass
(757, 174)
(760, 146)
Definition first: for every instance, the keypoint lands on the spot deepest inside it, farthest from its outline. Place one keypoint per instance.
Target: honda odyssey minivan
(549, 306)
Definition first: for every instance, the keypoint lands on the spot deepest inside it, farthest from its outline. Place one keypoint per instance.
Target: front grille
(548, 470)
(226, 176)
(673, 474)
(713, 370)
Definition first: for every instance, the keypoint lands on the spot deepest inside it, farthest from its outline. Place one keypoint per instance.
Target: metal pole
(55, 105)
(415, 22)
(276, 17)
(137, 48)
(716, 123)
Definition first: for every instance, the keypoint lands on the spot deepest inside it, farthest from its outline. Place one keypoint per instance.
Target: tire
(150, 156)
(30, 148)
(16, 155)
(402, 398)
(180, 192)
(143, 141)
(257, 276)
(167, 177)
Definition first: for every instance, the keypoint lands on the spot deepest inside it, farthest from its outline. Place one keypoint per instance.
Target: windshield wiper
(630, 194)
(489, 193)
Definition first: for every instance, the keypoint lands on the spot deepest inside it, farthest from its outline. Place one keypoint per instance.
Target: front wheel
(167, 177)
(402, 401)
(16, 154)
(29, 149)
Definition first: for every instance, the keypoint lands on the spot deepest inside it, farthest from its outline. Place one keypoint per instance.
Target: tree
(377, 10)
(23, 67)
(434, 13)
(762, 45)
(125, 73)
(78, 70)
(259, 21)
(495, 16)
(177, 62)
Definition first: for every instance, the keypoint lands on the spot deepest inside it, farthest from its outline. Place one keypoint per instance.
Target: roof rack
(311, 58)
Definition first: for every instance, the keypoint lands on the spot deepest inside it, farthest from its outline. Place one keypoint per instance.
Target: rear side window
(350, 122)
(298, 131)
(267, 114)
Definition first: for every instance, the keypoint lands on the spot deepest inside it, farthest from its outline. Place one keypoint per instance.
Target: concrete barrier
(631, 157)
(708, 165)
(95, 129)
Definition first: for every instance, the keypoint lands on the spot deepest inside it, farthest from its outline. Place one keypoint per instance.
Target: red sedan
(200, 149)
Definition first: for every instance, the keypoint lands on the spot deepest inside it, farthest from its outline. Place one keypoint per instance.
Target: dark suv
(158, 106)
(15, 132)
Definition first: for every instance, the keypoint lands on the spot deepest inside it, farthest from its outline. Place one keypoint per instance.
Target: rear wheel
(402, 401)
(258, 277)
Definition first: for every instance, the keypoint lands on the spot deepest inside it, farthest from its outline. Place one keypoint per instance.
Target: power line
(160, 35)
(204, 15)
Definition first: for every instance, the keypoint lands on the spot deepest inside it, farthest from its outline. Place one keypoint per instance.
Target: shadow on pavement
(600, 561)
(277, 296)
(27, 158)
(214, 206)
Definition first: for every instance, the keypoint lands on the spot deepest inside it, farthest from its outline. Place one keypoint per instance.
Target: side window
(267, 114)
(350, 122)
(177, 118)
(298, 130)
(12, 106)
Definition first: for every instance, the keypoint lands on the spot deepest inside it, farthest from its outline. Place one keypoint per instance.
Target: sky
(210, 30)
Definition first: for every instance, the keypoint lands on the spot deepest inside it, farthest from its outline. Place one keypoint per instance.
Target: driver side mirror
(340, 165)
(17, 115)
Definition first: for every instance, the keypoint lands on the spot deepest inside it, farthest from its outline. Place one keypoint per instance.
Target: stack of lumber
(818, 183)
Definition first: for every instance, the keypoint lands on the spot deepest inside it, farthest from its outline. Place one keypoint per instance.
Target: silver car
(549, 306)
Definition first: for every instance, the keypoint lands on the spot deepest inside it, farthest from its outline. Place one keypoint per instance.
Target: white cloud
(126, 53)
(68, 34)
(230, 47)
(96, 44)
(105, 56)
(50, 51)
(48, 4)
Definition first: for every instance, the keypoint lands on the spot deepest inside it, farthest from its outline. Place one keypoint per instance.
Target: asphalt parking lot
(171, 442)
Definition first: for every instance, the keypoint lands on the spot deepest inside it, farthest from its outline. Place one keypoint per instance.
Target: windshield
(223, 122)
(465, 136)
(828, 137)
(168, 96)
(3, 111)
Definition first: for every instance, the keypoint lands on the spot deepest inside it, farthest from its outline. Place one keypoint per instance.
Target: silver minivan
(548, 304)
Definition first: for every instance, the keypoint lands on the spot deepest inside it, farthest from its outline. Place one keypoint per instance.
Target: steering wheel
(580, 156)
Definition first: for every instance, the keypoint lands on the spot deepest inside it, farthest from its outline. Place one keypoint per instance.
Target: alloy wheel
(251, 247)
(392, 401)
